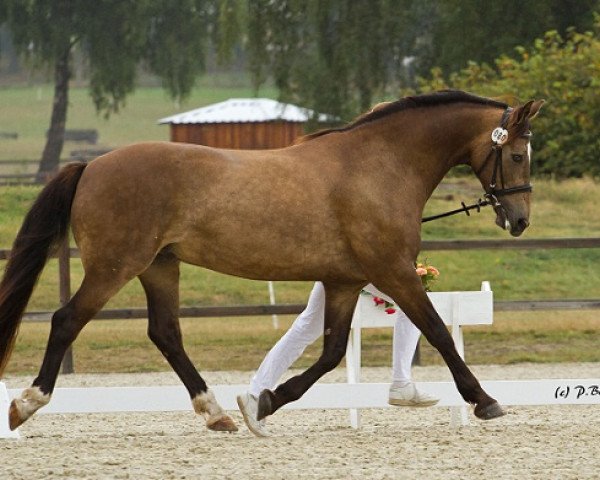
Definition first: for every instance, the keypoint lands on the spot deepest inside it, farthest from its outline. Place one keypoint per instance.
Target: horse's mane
(441, 97)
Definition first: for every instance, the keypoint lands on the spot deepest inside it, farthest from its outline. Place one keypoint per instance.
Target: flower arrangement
(427, 273)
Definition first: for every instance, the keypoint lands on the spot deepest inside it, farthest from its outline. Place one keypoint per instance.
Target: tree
(115, 36)
(472, 30)
(339, 56)
(563, 70)
(333, 56)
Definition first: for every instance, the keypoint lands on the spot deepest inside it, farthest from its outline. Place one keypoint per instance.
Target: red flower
(389, 311)
(378, 301)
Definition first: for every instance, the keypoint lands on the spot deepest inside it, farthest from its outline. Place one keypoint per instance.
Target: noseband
(499, 138)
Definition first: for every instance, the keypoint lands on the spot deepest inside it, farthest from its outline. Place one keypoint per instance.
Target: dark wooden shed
(248, 123)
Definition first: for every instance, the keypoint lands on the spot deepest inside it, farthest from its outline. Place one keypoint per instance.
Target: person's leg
(307, 327)
(403, 392)
(406, 338)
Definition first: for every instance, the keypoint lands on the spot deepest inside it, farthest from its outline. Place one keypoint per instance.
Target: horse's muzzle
(520, 227)
(515, 228)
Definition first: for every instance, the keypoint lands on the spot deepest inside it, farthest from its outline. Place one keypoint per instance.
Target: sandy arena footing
(559, 442)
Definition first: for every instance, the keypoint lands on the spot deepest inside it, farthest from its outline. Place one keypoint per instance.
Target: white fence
(455, 308)
(320, 396)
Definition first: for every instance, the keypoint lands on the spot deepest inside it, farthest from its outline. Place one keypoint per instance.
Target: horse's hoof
(222, 423)
(14, 419)
(265, 404)
(493, 410)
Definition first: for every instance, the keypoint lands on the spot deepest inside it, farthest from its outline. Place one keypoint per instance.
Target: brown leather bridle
(499, 138)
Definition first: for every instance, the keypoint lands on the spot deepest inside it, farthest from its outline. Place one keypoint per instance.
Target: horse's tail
(45, 225)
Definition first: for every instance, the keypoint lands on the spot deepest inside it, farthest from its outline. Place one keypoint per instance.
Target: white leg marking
(31, 400)
(206, 404)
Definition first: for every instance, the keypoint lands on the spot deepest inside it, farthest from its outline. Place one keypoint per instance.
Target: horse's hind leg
(161, 284)
(66, 324)
(340, 301)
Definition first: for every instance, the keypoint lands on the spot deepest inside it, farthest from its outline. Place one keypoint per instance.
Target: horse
(343, 206)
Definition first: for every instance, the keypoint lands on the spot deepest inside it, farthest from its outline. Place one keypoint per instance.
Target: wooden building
(241, 123)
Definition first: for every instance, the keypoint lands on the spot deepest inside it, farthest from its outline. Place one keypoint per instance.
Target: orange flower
(434, 271)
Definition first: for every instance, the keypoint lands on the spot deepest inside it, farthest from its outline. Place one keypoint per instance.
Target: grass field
(566, 209)
(241, 343)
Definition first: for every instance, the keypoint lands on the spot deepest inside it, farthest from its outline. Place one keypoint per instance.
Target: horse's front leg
(340, 301)
(409, 294)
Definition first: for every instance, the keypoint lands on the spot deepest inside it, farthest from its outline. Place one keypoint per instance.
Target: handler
(307, 327)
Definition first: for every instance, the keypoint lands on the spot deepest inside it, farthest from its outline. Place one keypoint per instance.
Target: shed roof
(240, 110)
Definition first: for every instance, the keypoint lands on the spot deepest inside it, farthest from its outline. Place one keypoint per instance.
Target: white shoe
(249, 407)
(410, 396)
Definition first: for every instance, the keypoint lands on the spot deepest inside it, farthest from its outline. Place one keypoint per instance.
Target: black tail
(45, 225)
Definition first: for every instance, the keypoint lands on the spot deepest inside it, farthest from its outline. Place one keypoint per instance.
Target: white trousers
(308, 327)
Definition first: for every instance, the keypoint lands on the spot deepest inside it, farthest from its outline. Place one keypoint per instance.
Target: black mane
(441, 97)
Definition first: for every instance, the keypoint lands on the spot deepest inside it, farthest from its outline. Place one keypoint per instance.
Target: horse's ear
(535, 108)
(528, 111)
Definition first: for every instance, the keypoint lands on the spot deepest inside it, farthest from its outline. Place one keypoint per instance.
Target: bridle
(499, 138)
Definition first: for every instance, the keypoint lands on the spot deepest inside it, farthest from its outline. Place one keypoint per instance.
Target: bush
(565, 72)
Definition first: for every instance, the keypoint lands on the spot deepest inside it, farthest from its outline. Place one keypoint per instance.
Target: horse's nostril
(523, 223)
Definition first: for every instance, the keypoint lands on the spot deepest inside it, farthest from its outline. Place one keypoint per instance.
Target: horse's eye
(517, 157)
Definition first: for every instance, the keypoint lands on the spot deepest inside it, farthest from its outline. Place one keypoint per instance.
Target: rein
(499, 138)
(465, 208)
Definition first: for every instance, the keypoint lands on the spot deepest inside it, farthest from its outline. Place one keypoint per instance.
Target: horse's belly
(250, 259)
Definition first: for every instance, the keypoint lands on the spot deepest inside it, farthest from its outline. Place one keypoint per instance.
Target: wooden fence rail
(65, 255)
(439, 245)
(296, 308)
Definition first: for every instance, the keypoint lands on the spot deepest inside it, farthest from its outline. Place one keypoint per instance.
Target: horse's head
(505, 167)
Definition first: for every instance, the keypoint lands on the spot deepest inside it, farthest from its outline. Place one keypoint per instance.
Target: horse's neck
(426, 143)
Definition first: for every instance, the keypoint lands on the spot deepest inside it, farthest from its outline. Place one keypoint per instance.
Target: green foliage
(177, 41)
(462, 31)
(339, 56)
(113, 46)
(115, 36)
(563, 70)
(334, 56)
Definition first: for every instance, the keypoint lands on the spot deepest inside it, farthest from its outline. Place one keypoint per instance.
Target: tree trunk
(56, 134)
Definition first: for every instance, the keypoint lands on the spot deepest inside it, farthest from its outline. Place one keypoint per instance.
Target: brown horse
(343, 206)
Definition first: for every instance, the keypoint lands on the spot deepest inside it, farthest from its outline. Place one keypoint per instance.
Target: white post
(353, 362)
(459, 416)
(5, 431)
(272, 300)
